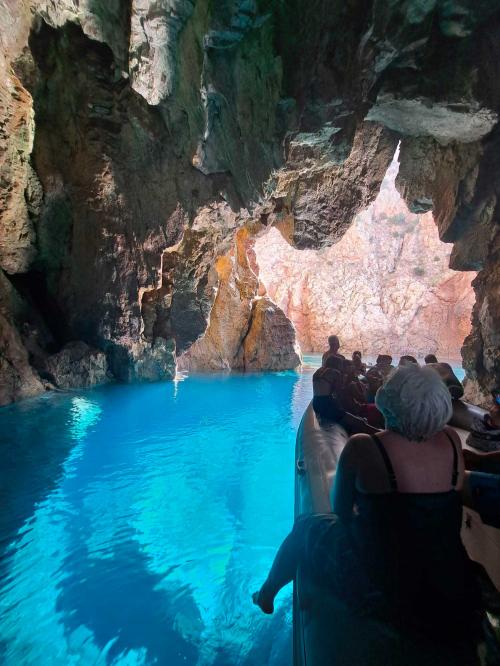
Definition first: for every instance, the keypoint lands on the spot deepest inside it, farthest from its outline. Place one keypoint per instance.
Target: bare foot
(263, 601)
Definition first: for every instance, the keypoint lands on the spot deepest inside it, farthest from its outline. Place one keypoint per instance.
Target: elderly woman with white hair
(392, 544)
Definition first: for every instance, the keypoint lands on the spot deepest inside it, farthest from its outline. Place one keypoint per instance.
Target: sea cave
(195, 195)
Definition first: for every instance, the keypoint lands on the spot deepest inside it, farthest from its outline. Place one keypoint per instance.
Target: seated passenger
(327, 381)
(327, 385)
(392, 547)
(430, 358)
(358, 363)
(384, 364)
(353, 393)
(333, 349)
(374, 381)
(405, 360)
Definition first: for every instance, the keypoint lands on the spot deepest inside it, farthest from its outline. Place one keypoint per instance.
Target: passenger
(353, 394)
(430, 358)
(327, 381)
(374, 381)
(392, 547)
(333, 349)
(358, 363)
(405, 360)
(327, 385)
(384, 365)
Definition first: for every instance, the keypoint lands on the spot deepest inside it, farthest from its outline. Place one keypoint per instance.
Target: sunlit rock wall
(385, 287)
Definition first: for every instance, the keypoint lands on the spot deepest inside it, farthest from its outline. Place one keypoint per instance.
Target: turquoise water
(136, 520)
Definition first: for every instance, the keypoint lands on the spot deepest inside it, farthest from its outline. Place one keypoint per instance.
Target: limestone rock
(78, 365)
(270, 343)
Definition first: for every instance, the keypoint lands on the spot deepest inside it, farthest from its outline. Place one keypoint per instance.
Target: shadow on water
(129, 611)
(33, 454)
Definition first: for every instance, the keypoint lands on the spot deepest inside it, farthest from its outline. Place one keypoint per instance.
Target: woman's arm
(345, 480)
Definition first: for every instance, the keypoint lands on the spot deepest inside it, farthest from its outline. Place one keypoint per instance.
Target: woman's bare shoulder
(355, 443)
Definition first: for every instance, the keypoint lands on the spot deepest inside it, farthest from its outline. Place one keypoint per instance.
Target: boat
(325, 630)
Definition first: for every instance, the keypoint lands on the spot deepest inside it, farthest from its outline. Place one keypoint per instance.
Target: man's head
(384, 359)
(404, 360)
(333, 343)
(356, 355)
(430, 358)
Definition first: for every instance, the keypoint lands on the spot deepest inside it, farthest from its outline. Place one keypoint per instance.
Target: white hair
(415, 402)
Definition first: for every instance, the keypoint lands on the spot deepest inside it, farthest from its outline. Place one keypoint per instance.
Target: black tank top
(412, 549)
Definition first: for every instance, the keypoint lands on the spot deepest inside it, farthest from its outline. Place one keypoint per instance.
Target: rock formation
(384, 287)
(137, 138)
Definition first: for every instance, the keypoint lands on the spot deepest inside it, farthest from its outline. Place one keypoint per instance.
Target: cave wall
(137, 138)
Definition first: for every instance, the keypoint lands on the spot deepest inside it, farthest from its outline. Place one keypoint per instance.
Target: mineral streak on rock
(384, 287)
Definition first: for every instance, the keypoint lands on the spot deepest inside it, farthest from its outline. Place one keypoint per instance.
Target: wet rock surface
(137, 138)
(77, 365)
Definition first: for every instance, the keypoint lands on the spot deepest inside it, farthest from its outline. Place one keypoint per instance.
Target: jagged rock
(155, 27)
(320, 197)
(17, 378)
(270, 343)
(385, 287)
(78, 365)
(237, 286)
(153, 362)
(17, 234)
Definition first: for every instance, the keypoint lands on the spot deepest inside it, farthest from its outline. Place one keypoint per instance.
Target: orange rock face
(385, 286)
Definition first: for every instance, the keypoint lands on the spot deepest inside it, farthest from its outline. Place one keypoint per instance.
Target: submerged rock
(78, 365)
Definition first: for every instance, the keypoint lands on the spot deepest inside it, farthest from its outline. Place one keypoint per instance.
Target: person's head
(405, 360)
(355, 355)
(349, 370)
(374, 379)
(333, 343)
(384, 359)
(430, 358)
(415, 402)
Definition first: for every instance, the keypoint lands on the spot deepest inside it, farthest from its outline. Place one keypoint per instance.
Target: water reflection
(157, 511)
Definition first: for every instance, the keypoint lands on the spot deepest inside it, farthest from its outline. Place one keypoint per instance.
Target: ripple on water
(139, 519)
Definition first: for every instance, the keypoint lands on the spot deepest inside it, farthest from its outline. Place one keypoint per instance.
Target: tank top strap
(454, 473)
(387, 462)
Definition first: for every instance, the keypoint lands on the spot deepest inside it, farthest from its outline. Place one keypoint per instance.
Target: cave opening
(384, 287)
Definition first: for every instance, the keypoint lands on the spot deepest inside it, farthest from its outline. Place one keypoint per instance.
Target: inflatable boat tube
(326, 631)
(464, 414)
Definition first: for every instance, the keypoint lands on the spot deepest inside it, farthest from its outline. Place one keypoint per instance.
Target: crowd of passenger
(392, 544)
